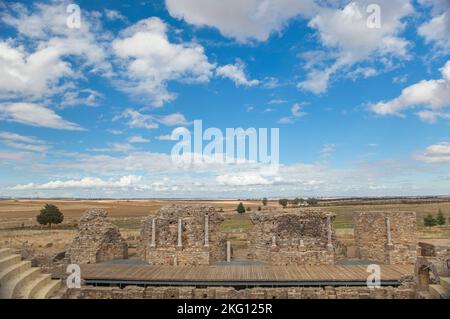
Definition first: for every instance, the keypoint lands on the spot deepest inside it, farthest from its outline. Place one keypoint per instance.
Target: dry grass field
(128, 216)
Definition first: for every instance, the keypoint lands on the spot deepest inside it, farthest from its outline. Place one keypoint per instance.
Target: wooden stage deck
(242, 275)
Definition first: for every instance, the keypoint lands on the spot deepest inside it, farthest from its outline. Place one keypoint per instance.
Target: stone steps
(10, 260)
(445, 282)
(29, 290)
(47, 291)
(438, 292)
(7, 273)
(19, 280)
(5, 252)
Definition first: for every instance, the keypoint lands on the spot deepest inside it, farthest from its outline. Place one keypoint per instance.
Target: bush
(440, 219)
(429, 221)
(249, 208)
(312, 201)
(259, 208)
(240, 209)
(49, 215)
(264, 201)
(283, 202)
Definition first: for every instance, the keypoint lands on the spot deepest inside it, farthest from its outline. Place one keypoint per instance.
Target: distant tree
(295, 202)
(429, 221)
(440, 219)
(50, 214)
(264, 201)
(312, 201)
(283, 202)
(240, 209)
(259, 208)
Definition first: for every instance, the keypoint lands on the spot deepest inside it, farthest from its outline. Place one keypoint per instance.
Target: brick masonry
(302, 237)
(386, 237)
(183, 235)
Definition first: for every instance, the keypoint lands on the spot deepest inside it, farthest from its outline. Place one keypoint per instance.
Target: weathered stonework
(97, 240)
(133, 292)
(183, 235)
(303, 237)
(432, 264)
(386, 237)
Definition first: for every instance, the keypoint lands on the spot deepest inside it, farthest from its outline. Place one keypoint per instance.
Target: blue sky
(87, 112)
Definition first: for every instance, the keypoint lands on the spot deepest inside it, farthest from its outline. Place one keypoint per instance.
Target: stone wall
(386, 237)
(433, 263)
(183, 235)
(97, 240)
(301, 237)
(328, 292)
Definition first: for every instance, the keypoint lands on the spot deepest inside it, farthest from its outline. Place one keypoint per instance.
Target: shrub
(49, 215)
(240, 209)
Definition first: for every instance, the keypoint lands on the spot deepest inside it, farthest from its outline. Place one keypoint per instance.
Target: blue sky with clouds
(87, 112)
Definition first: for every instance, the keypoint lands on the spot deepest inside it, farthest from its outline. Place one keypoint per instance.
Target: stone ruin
(97, 240)
(304, 237)
(386, 237)
(183, 235)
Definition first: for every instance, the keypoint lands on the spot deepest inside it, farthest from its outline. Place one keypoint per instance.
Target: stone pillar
(228, 251)
(274, 241)
(329, 233)
(180, 233)
(388, 231)
(153, 243)
(206, 230)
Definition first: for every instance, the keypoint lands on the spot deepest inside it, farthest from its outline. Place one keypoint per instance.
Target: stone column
(228, 251)
(329, 233)
(180, 233)
(388, 231)
(206, 230)
(153, 243)
(274, 241)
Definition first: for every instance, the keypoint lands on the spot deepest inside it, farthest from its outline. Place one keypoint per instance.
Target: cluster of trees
(50, 215)
(431, 221)
(242, 209)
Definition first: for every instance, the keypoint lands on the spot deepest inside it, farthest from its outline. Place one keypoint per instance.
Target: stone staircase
(19, 280)
(441, 291)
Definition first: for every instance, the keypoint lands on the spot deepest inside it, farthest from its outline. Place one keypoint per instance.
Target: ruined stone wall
(134, 292)
(164, 249)
(387, 237)
(97, 240)
(303, 237)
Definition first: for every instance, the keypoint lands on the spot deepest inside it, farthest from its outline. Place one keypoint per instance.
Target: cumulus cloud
(236, 73)
(242, 20)
(137, 119)
(296, 112)
(432, 95)
(115, 147)
(344, 33)
(49, 67)
(437, 153)
(35, 115)
(243, 179)
(437, 30)
(150, 60)
(138, 139)
(87, 182)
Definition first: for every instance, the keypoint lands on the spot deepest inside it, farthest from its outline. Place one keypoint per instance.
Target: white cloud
(295, 114)
(433, 95)
(35, 115)
(236, 73)
(150, 61)
(243, 179)
(46, 67)
(242, 20)
(172, 119)
(115, 147)
(437, 29)
(19, 138)
(137, 119)
(87, 97)
(138, 139)
(165, 138)
(327, 150)
(349, 41)
(437, 153)
(114, 15)
(87, 182)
